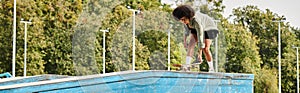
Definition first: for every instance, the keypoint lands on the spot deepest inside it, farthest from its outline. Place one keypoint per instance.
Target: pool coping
(79, 78)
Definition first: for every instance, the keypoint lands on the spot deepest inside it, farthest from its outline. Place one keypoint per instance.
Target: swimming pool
(142, 82)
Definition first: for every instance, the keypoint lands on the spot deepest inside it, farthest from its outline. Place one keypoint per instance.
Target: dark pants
(209, 34)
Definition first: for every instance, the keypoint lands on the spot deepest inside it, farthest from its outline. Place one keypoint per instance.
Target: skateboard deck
(182, 66)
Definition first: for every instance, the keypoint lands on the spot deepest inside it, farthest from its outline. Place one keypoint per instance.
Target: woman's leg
(208, 55)
(199, 56)
(190, 49)
(191, 45)
(206, 50)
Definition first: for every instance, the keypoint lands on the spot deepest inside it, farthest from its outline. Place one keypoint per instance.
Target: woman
(202, 28)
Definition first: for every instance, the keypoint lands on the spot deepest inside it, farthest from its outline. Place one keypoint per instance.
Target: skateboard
(182, 67)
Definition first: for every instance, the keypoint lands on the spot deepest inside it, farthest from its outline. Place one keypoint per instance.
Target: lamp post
(196, 4)
(216, 48)
(25, 44)
(216, 42)
(14, 40)
(103, 52)
(169, 47)
(297, 54)
(133, 37)
(279, 52)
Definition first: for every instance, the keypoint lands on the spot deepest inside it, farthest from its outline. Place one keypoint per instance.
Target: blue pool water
(142, 82)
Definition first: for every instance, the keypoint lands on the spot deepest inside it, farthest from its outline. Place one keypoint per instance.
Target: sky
(288, 8)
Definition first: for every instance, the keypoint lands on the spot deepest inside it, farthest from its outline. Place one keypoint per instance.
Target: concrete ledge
(29, 79)
(142, 81)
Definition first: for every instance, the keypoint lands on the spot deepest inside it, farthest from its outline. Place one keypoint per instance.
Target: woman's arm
(184, 42)
(186, 34)
(200, 35)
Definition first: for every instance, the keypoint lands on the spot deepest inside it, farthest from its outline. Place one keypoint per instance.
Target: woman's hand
(185, 44)
(199, 58)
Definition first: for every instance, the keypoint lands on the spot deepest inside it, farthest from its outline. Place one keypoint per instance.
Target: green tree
(264, 81)
(242, 51)
(34, 43)
(297, 32)
(261, 27)
(242, 57)
(260, 24)
(6, 22)
(59, 17)
(49, 36)
(119, 16)
(157, 42)
(121, 51)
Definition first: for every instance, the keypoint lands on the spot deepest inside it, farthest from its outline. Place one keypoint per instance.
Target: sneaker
(197, 61)
(186, 68)
(211, 70)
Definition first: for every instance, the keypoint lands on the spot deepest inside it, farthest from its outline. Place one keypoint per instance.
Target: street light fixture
(196, 4)
(25, 44)
(103, 65)
(134, 12)
(14, 40)
(297, 54)
(169, 47)
(279, 51)
(216, 48)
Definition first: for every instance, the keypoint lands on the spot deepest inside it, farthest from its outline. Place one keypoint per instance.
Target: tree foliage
(261, 25)
(65, 39)
(48, 36)
(241, 50)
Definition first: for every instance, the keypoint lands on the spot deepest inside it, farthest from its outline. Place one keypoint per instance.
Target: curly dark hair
(183, 11)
